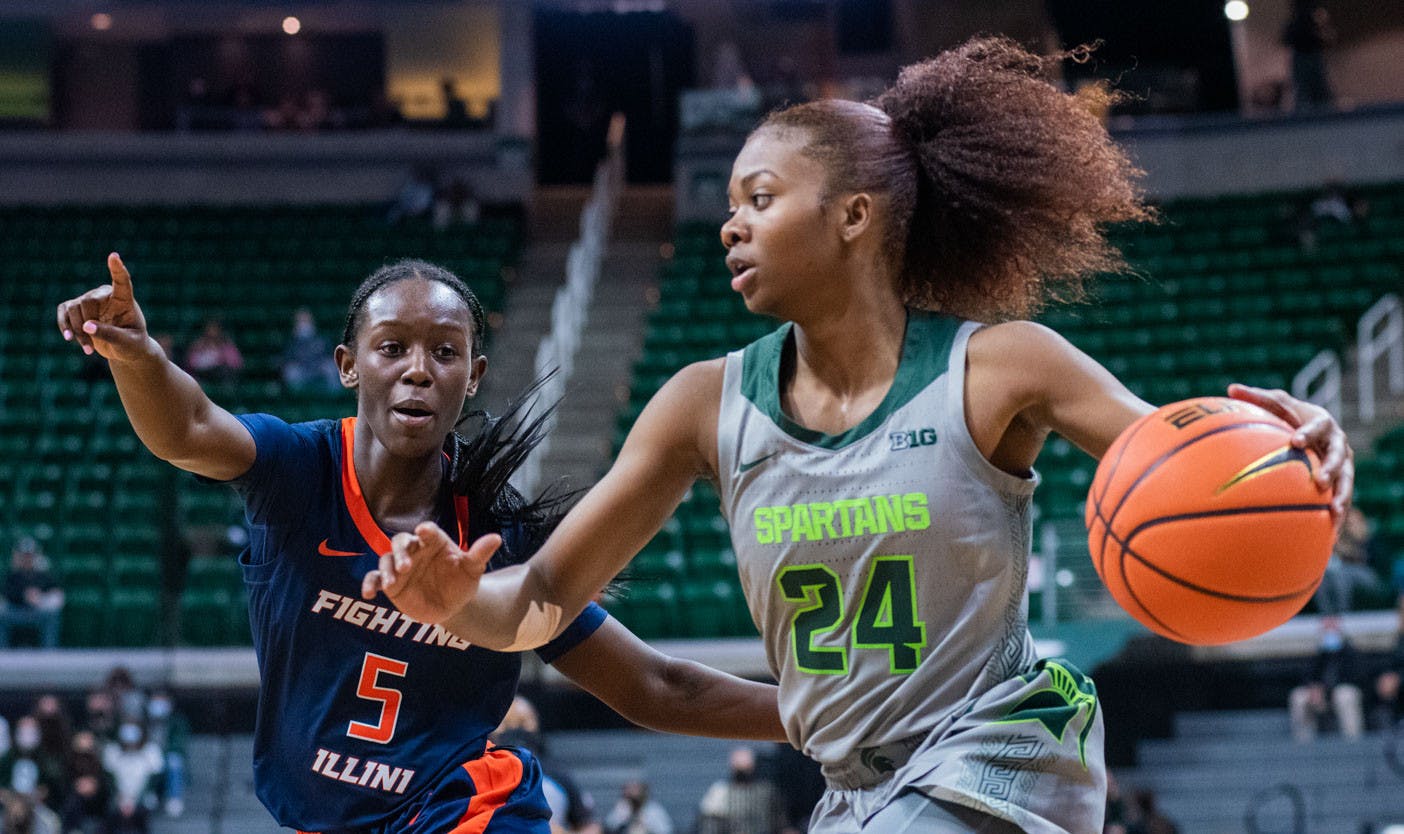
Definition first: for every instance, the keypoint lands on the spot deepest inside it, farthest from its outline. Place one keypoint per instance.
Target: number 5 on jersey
(887, 615)
(370, 689)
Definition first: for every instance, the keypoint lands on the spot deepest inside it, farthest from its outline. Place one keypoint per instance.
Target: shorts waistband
(870, 766)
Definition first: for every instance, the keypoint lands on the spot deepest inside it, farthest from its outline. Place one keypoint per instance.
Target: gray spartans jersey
(885, 569)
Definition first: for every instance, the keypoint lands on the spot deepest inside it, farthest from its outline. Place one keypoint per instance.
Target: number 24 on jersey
(887, 615)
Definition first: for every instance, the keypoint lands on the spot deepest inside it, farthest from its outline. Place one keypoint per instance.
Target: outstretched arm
(169, 412)
(672, 444)
(665, 693)
(1024, 380)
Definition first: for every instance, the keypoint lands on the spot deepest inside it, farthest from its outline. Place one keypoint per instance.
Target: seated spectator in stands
(32, 597)
(1149, 819)
(85, 812)
(742, 803)
(307, 357)
(1118, 816)
(168, 730)
(133, 763)
(635, 813)
(415, 199)
(572, 810)
(27, 769)
(456, 203)
(1349, 569)
(1389, 706)
(1329, 687)
(100, 714)
(55, 730)
(21, 814)
(128, 701)
(213, 356)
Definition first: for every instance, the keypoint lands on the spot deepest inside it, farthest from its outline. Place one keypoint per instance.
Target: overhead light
(1236, 10)
(292, 25)
(102, 21)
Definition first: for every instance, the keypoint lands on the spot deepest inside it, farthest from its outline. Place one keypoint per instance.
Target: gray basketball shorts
(1028, 752)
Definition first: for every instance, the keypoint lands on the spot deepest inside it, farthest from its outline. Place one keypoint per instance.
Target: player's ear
(346, 367)
(475, 376)
(857, 216)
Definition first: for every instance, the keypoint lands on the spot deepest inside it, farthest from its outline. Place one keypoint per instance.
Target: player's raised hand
(1316, 430)
(427, 576)
(107, 319)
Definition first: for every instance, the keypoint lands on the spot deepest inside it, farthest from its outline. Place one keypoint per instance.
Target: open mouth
(413, 414)
(741, 271)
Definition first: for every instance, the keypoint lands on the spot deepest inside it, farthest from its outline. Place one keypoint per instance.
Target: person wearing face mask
(742, 804)
(636, 813)
(168, 730)
(133, 762)
(307, 363)
(27, 768)
(1330, 687)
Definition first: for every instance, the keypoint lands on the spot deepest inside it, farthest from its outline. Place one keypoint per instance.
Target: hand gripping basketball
(427, 576)
(107, 319)
(1207, 519)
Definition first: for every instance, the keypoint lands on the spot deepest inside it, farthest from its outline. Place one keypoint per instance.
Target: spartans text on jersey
(842, 519)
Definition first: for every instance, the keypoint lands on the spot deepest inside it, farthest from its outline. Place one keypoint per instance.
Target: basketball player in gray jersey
(874, 455)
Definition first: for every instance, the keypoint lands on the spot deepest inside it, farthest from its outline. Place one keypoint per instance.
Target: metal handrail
(1319, 381)
(1374, 341)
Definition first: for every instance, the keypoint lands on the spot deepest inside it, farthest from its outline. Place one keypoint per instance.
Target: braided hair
(484, 451)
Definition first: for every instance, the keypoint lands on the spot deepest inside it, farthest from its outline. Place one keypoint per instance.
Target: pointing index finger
(121, 279)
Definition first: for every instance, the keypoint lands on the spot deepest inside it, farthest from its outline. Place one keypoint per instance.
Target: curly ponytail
(999, 185)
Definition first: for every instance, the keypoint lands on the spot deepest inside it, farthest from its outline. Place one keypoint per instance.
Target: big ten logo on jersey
(912, 439)
(1196, 411)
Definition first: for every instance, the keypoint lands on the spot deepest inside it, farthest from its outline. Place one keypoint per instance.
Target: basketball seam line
(1281, 508)
(1107, 520)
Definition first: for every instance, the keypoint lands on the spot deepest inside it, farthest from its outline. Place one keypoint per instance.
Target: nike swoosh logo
(1272, 460)
(327, 551)
(747, 467)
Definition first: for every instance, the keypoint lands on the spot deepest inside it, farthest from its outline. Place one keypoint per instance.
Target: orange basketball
(1205, 524)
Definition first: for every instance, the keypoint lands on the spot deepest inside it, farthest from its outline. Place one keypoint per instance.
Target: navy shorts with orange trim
(497, 793)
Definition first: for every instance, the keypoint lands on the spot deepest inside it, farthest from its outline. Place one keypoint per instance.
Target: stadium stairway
(1220, 766)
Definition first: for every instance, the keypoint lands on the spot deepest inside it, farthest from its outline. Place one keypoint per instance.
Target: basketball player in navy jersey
(368, 720)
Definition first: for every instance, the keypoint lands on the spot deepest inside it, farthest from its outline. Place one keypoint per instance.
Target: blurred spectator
(1389, 706)
(307, 357)
(741, 804)
(800, 783)
(1308, 34)
(455, 203)
(1330, 687)
(635, 813)
(572, 810)
(1118, 817)
(133, 762)
(1349, 569)
(27, 769)
(100, 714)
(415, 199)
(32, 596)
(1149, 819)
(168, 730)
(455, 107)
(85, 812)
(128, 701)
(21, 814)
(55, 730)
(213, 356)
(4, 736)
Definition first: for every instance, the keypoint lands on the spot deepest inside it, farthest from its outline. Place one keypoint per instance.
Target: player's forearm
(162, 402)
(693, 699)
(512, 611)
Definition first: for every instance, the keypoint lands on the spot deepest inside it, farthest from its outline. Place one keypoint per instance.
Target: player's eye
(391, 348)
(760, 199)
(446, 352)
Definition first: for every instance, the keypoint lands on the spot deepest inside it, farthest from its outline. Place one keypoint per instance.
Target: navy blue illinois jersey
(361, 709)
